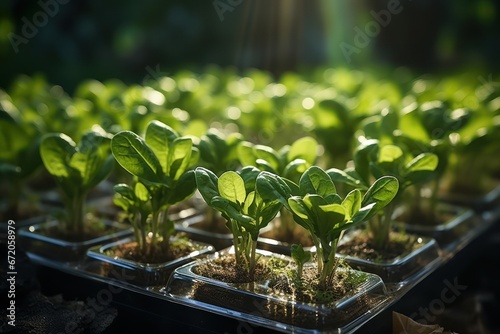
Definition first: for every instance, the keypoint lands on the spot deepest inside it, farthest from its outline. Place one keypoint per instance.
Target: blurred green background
(131, 40)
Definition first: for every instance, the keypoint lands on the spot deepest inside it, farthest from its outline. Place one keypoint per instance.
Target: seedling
(290, 162)
(236, 195)
(77, 170)
(161, 164)
(374, 161)
(324, 213)
(301, 257)
(218, 153)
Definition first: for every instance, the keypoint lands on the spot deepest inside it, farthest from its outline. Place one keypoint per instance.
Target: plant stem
(154, 230)
(235, 230)
(167, 228)
(74, 223)
(382, 235)
(253, 261)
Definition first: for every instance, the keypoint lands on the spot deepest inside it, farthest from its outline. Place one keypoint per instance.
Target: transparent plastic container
(257, 303)
(192, 227)
(488, 201)
(450, 233)
(401, 270)
(138, 273)
(35, 239)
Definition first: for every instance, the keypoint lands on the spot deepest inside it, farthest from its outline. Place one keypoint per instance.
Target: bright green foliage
(77, 170)
(290, 161)
(161, 164)
(324, 213)
(374, 161)
(218, 151)
(236, 195)
(301, 257)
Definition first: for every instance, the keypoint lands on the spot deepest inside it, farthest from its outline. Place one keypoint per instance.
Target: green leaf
(56, 151)
(424, 161)
(352, 203)
(267, 154)
(158, 138)
(298, 207)
(246, 154)
(230, 209)
(299, 255)
(382, 192)
(421, 169)
(272, 188)
(249, 175)
(337, 175)
(363, 214)
(102, 172)
(362, 156)
(296, 168)
(232, 187)
(207, 183)
(184, 188)
(390, 154)
(316, 181)
(179, 157)
(331, 215)
(305, 149)
(141, 192)
(132, 153)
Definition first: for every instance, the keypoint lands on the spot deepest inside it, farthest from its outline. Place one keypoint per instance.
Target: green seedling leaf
(141, 192)
(55, 150)
(421, 168)
(132, 153)
(249, 175)
(352, 203)
(267, 154)
(272, 187)
(232, 187)
(299, 255)
(179, 157)
(184, 187)
(382, 192)
(264, 165)
(305, 149)
(337, 175)
(230, 209)
(296, 167)
(316, 181)
(331, 215)
(158, 137)
(390, 154)
(207, 183)
(424, 161)
(246, 154)
(363, 154)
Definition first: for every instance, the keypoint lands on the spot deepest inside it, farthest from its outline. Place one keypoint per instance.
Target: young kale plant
(77, 170)
(136, 204)
(290, 162)
(218, 153)
(236, 195)
(373, 161)
(161, 163)
(324, 213)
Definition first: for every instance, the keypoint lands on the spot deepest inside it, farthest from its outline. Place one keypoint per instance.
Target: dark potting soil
(90, 231)
(131, 251)
(362, 246)
(282, 283)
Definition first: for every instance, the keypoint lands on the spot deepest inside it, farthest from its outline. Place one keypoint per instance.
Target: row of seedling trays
(280, 242)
